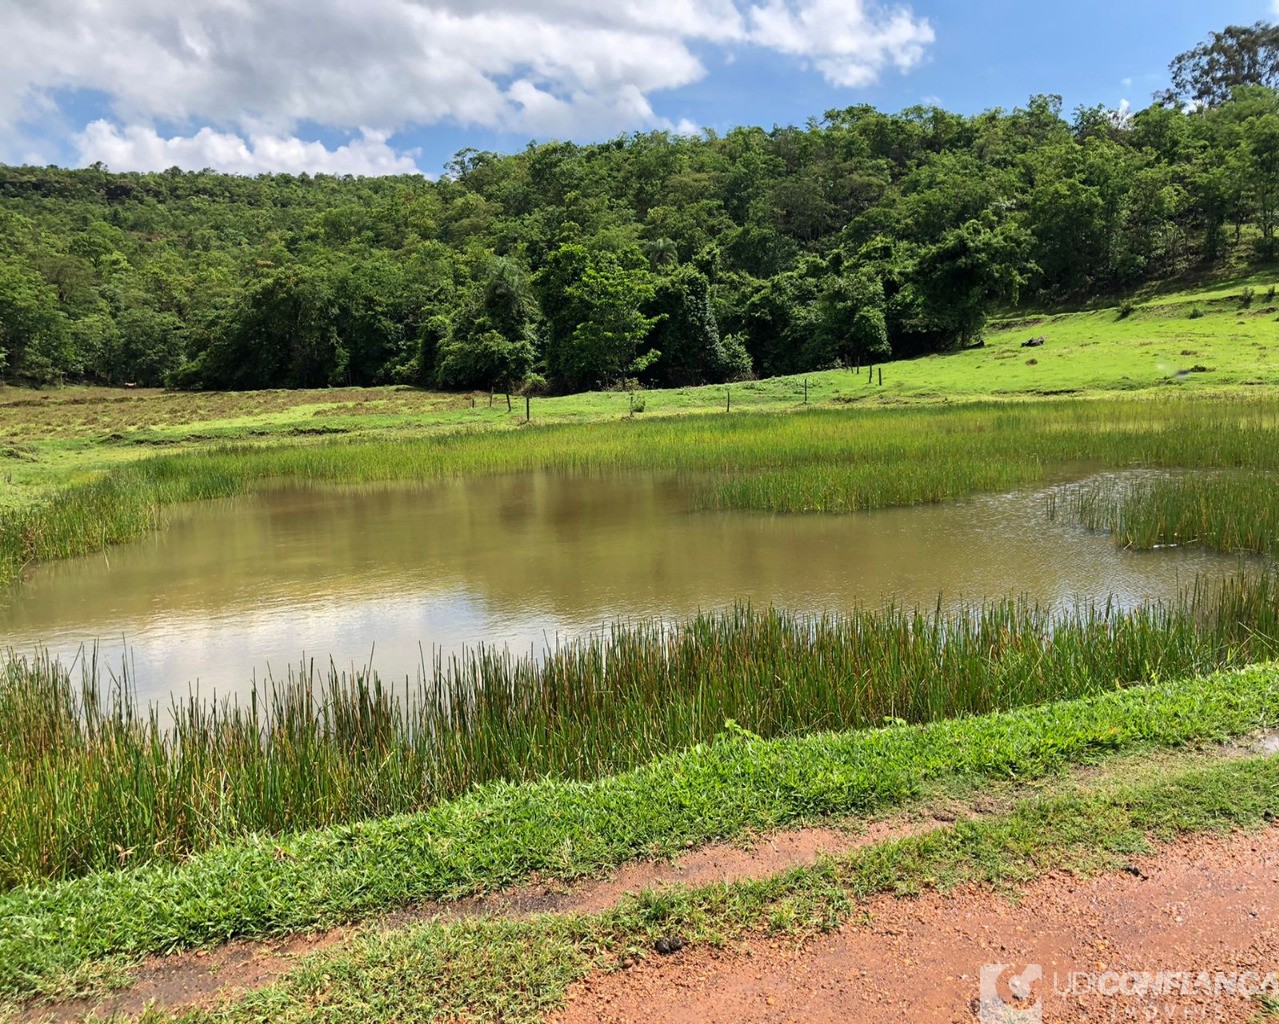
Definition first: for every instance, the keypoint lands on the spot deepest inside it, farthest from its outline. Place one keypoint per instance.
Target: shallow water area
(393, 575)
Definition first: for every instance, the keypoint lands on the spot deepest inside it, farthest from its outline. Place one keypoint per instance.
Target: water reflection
(244, 587)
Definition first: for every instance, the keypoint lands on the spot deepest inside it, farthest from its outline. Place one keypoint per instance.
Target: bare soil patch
(1210, 903)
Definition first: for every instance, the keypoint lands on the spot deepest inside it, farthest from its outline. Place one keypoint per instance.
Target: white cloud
(848, 42)
(141, 148)
(256, 69)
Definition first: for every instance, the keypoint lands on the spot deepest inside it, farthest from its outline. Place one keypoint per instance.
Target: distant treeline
(666, 259)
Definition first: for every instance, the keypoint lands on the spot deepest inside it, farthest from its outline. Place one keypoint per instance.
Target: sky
(399, 86)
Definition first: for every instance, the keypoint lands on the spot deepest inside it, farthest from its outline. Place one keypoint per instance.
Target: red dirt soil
(1205, 904)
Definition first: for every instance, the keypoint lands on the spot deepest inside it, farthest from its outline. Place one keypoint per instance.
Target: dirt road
(1210, 904)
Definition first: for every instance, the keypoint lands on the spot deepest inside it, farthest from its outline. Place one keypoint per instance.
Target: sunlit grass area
(1218, 338)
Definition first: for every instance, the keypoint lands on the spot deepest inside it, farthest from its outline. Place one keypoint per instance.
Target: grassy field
(49, 439)
(77, 935)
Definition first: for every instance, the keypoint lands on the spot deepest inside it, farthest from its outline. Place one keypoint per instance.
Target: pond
(389, 575)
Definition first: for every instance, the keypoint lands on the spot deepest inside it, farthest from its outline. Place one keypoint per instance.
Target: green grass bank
(62, 937)
(516, 971)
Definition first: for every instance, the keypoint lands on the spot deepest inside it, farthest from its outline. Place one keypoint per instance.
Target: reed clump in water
(1226, 511)
(90, 780)
(821, 460)
(860, 487)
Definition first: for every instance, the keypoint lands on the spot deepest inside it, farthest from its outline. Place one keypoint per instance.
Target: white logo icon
(994, 1008)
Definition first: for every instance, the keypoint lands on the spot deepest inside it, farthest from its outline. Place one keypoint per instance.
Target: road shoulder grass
(76, 936)
(516, 971)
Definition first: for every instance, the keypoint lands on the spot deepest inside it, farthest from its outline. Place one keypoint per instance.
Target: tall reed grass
(1228, 511)
(88, 779)
(822, 459)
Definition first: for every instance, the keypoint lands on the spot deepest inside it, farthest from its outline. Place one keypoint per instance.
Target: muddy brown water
(241, 589)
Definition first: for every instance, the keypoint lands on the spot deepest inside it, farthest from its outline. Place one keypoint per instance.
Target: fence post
(528, 409)
(728, 399)
(881, 376)
(805, 390)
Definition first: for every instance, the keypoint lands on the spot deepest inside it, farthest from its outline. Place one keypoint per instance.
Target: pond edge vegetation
(88, 779)
(51, 936)
(818, 460)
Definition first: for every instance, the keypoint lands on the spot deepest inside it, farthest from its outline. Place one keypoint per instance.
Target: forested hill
(661, 258)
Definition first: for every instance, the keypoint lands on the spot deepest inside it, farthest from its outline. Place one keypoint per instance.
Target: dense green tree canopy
(858, 237)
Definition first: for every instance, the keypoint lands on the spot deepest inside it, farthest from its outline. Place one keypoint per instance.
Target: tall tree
(1237, 55)
(493, 341)
(687, 334)
(593, 300)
